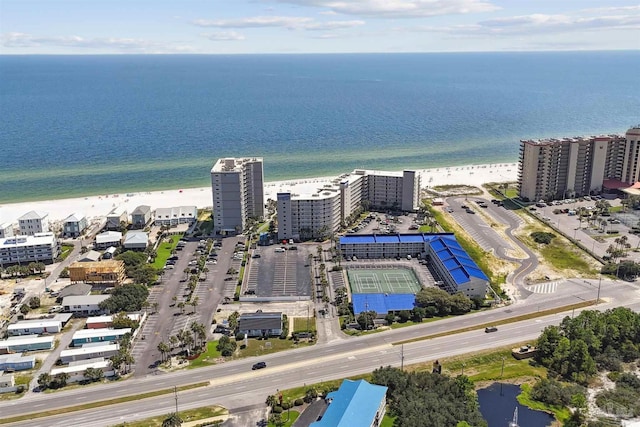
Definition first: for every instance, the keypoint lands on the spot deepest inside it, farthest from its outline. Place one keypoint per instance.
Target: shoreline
(95, 206)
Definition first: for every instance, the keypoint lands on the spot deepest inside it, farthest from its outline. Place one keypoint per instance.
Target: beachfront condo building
(571, 167)
(237, 185)
(320, 213)
(33, 223)
(41, 247)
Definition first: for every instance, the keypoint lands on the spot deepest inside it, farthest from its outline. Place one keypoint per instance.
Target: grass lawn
(20, 379)
(208, 357)
(487, 366)
(301, 324)
(186, 416)
(260, 347)
(65, 251)
(560, 253)
(206, 221)
(562, 414)
(164, 251)
(387, 421)
(292, 417)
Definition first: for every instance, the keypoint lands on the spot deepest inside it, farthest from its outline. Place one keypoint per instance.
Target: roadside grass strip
(99, 404)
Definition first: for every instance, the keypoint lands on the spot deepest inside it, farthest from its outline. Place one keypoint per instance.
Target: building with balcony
(237, 186)
(6, 230)
(108, 239)
(140, 216)
(117, 218)
(172, 217)
(33, 223)
(571, 167)
(74, 225)
(40, 247)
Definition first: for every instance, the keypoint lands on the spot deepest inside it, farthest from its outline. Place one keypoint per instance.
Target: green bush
(298, 402)
(277, 409)
(286, 405)
(542, 237)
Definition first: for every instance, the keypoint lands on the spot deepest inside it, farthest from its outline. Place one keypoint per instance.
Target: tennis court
(383, 281)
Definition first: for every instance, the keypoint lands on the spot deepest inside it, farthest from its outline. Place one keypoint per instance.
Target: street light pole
(402, 357)
(599, 283)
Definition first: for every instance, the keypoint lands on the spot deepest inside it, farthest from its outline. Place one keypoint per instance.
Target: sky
(314, 26)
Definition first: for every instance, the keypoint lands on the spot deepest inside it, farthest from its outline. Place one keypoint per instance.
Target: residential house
(171, 217)
(106, 335)
(34, 327)
(108, 238)
(136, 240)
(7, 383)
(354, 404)
(6, 230)
(33, 223)
(108, 272)
(16, 362)
(89, 351)
(90, 256)
(84, 305)
(25, 249)
(26, 343)
(117, 218)
(74, 225)
(260, 324)
(106, 321)
(140, 217)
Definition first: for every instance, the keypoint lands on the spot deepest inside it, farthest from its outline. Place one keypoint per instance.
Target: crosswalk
(544, 288)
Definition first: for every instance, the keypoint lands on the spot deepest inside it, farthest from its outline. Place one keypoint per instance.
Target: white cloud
(225, 36)
(612, 9)
(332, 25)
(22, 40)
(400, 8)
(291, 22)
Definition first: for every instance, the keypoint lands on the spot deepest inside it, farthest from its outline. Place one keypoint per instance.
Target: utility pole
(402, 357)
(599, 283)
(175, 391)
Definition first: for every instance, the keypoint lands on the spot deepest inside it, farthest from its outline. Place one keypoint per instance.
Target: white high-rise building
(237, 185)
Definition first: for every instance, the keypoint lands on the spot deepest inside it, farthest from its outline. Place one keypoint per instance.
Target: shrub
(542, 237)
(277, 409)
(286, 405)
(298, 402)
(34, 302)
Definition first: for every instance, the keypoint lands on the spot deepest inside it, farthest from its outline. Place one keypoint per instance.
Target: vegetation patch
(304, 324)
(208, 357)
(164, 251)
(562, 413)
(187, 416)
(65, 251)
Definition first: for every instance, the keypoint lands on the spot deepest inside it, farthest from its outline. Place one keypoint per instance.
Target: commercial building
(171, 217)
(84, 305)
(74, 225)
(34, 327)
(354, 404)
(25, 249)
(108, 239)
(26, 343)
(7, 383)
(572, 167)
(456, 271)
(16, 362)
(106, 335)
(108, 272)
(141, 216)
(238, 193)
(117, 218)
(33, 223)
(260, 324)
(320, 213)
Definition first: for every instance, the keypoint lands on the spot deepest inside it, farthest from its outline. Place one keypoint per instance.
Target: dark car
(259, 365)
(491, 329)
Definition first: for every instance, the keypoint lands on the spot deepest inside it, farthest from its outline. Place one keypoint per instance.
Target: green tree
(34, 302)
(365, 320)
(129, 297)
(93, 374)
(172, 420)
(122, 320)
(44, 380)
(164, 349)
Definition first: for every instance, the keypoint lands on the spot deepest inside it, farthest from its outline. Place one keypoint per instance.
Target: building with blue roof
(455, 269)
(382, 303)
(354, 404)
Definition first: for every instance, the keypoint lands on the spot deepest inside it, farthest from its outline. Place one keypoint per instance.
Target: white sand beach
(97, 206)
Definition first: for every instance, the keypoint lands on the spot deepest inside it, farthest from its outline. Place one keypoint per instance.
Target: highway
(234, 385)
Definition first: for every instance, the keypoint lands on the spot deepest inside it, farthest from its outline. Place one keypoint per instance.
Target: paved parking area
(279, 273)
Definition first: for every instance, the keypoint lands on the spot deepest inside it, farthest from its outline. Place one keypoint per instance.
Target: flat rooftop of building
(89, 350)
(36, 239)
(101, 332)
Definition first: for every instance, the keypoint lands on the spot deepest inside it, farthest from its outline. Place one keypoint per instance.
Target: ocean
(86, 125)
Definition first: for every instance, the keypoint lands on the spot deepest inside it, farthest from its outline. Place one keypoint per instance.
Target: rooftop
(83, 300)
(33, 215)
(354, 404)
(37, 239)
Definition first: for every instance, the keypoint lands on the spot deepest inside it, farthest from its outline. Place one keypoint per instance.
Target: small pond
(498, 402)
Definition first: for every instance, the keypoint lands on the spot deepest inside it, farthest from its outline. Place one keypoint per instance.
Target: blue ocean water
(83, 125)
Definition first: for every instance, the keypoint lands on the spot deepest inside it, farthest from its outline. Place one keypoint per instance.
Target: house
(91, 256)
(140, 216)
(34, 327)
(6, 230)
(108, 238)
(171, 217)
(89, 351)
(117, 218)
(84, 305)
(7, 383)
(63, 318)
(109, 253)
(100, 322)
(354, 404)
(136, 240)
(76, 370)
(16, 362)
(26, 343)
(109, 272)
(260, 324)
(33, 223)
(106, 335)
(77, 289)
(25, 249)
(74, 225)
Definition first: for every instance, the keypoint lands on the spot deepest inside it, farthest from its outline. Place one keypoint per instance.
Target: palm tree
(186, 272)
(163, 348)
(172, 420)
(195, 303)
(43, 380)
(181, 307)
(174, 341)
(205, 271)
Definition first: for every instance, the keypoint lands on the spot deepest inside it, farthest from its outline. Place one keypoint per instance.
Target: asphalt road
(234, 385)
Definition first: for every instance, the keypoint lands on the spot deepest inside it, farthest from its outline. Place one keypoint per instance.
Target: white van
(279, 250)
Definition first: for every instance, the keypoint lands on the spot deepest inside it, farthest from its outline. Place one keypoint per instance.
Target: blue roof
(455, 259)
(386, 238)
(382, 303)
(354, 404)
